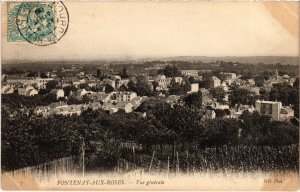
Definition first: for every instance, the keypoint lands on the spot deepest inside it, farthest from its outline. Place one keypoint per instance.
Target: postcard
(149, 95)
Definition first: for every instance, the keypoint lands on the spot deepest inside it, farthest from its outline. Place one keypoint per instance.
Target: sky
(132, 30)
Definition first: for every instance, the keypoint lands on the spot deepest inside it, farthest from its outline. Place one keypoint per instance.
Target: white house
(81, 92)
(125, 96)
(230, 76)
(162, 82)
(59, 93)
(215, 82)
(7, 90)
(274, 109)
(194, 88)
(113, 108)
(177, 80)
(189, 72)
(28, 91)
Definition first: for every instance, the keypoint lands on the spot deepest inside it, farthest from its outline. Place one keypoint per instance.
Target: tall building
(214, 82)
(276, 74)
(271, 108)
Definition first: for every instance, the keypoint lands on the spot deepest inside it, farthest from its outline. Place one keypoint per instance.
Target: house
(274, 109)
(102, 96)
(209, 114)
(115, 77)
(7, 90)
(110, 82)
(121, 82)
(194, 88)
(177, 80)
(41, 82)
(81, 92)
(113, 108)
(285, 113)
(93, 106)
(136, 102)
(238, 111)
(14, 80)
(93, 83)
(125, 96)
(59, 93)
(224, 86)
(250, 82)
(214, 82)
(68, 81)
(28, 91)
(58, 104)
(126, 106)
(162, 82)
(189, 72)
(206, 97)
(68, 110)
(229, 76)
(253, 89)
(61, 108)
(216, 105)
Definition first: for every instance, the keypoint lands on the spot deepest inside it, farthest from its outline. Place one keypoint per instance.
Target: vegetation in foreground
(252, 142)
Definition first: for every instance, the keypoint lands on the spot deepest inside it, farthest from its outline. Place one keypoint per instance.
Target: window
(266, 108)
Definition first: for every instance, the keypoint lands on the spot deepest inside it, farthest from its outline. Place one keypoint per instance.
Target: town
(163, 104)
(114, 91)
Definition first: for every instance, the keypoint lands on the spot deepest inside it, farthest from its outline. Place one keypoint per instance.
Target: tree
(68, 90)
(171, 71)
(29, 140)
(143, 86)
(131, 86)
(108, 88)
(51, 85)
(186, 85)
(149, 104)
(176, 90)
(155, 85)
(285, 93)
(86, 99)
(263, 94)
(296, 83)
(259, 130)
(218, 93)
(220, 113)
(193, 100)
(219, 132)
(85, 86)
(89, 116)
(192, 80)
(123, 88)
(43, 75)
(259, 80)
(242, 96)
(124, 73)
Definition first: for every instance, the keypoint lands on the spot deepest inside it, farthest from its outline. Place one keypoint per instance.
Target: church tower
(276, 74)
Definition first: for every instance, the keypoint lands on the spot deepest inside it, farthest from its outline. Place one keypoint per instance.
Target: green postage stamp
(39, 23)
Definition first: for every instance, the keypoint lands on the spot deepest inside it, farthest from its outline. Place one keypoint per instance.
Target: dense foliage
(28, 139)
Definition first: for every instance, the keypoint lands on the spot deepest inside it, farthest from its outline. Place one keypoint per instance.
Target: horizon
(204, 59)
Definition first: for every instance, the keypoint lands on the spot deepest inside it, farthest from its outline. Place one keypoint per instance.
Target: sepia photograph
(150, 95)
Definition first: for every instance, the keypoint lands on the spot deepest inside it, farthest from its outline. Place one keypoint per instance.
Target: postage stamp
(39, 23)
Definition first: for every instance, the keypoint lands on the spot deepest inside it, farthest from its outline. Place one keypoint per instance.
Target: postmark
(39, 23)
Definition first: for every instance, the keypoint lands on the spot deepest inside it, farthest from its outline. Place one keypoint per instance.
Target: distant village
(120, 91)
